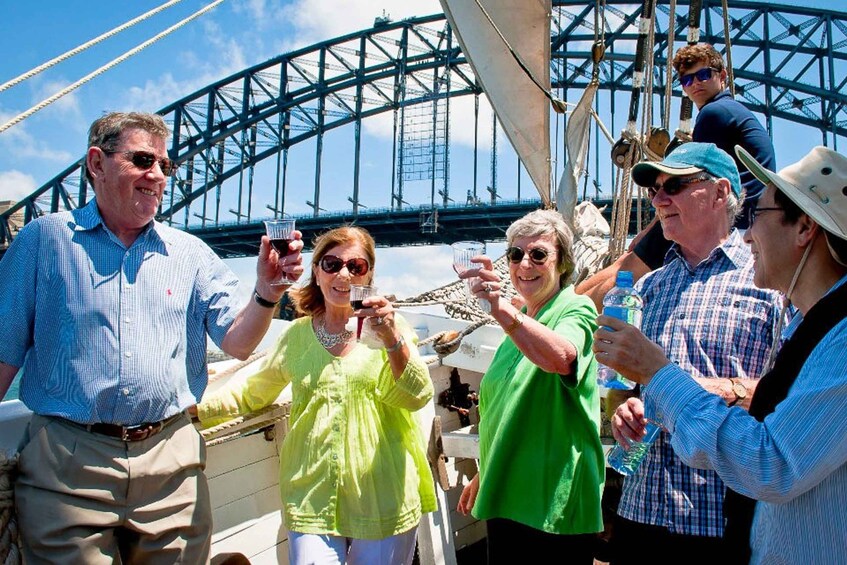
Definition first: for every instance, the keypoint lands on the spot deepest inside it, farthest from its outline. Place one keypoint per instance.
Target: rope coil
(9, 537)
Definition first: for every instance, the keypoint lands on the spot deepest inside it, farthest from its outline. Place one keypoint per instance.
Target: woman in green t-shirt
(541, 463)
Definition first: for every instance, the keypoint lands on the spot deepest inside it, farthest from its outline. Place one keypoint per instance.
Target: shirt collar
(733, 249)
(720, 95)
(88, 218)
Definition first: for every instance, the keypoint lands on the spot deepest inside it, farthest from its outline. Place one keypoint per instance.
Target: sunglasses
(537, 255)
(675, 185)
(753, 213)
(145, 160)
(356, 266)
(702, 75)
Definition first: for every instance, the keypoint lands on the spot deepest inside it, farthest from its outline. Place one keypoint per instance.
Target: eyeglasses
(145, 160)
(675, 185)
(356, 266)
(702, 75)
(753, 213)
(537, 255)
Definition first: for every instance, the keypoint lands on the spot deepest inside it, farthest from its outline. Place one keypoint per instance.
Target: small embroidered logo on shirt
(169, 292)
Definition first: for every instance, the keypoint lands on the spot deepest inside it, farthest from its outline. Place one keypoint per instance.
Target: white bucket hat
(817, 183)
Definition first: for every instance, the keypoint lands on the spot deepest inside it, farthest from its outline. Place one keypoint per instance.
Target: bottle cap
(624, 279)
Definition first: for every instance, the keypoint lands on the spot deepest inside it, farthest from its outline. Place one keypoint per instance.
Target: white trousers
(322, 549)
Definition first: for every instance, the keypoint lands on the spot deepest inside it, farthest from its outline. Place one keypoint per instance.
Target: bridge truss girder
(789, 63)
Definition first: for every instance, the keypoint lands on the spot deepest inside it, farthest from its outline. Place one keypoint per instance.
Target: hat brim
(807, 204)
(645, 173)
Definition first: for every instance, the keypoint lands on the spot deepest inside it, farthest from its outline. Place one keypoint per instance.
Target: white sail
(576, 145)
(522, 108)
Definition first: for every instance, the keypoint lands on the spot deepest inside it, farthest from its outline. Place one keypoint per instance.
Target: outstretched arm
(252, 322)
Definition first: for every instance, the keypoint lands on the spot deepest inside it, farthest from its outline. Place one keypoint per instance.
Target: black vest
(771, 390)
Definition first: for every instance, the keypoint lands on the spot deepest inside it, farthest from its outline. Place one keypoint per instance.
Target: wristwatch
(739, 390)
(263, 302)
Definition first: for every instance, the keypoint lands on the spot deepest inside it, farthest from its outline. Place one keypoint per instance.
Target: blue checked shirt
(711, 321)
(794, 463)
(110, 334)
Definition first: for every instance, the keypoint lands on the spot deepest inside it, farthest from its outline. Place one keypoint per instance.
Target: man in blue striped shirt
(704, 311)
(789, 452)
(107, 312)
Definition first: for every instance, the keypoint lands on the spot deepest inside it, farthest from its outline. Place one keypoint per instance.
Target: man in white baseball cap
(789, 453)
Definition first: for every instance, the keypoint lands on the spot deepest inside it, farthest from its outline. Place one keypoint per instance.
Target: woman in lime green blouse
(541, 467)
(354, 477)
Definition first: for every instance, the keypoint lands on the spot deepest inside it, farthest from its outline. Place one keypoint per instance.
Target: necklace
(329, 340)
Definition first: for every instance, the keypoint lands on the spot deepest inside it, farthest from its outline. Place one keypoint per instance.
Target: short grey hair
(106, 132)
(548, 222)
(734, 205)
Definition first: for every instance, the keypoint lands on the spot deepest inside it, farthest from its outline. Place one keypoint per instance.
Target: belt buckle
(143, 431)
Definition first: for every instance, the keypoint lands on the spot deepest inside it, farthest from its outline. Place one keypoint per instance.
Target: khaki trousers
(89, 498)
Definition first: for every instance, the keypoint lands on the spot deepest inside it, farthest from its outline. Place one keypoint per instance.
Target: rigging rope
(666, 115)
(84, 46)
(730, 76)
(103, 69)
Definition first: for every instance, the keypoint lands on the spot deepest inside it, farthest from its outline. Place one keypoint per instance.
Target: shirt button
(125, 391)
(336, 427)
(334, 457)
(127, 320)
(127, 285)
(128, 354)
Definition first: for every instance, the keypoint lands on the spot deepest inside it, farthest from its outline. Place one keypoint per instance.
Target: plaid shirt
(713, 322)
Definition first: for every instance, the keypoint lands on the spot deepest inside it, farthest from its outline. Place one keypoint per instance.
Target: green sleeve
(256, 392)
(413, 389)
(577, 324)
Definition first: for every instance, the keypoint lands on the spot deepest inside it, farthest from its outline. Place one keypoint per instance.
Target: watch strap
(264, 303)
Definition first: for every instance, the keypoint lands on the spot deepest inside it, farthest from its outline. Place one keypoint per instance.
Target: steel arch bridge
(245, 144)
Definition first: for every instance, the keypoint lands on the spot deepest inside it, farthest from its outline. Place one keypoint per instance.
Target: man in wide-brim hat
(789, 453)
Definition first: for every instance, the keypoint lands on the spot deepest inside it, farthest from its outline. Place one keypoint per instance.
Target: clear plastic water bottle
(625, 461)
(623, 303)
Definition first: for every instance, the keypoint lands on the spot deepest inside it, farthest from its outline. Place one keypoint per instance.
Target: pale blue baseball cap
(688, 159)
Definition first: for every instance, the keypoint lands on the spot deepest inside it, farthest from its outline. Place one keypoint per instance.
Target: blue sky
(237, 34)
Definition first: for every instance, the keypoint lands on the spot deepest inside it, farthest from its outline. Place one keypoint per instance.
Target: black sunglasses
(145, 160)
(356, 266)
(537, 255)
(702, 75)
(675, 185)
(753, 213)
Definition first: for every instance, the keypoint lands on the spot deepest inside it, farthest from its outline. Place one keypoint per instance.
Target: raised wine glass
(358, 293)
(463, 252)
(280, 233)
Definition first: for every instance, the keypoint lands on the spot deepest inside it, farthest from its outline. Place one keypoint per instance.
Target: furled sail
(576, 145)
(522, 108)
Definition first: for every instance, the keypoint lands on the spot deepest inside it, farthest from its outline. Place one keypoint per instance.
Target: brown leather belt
(128, 433)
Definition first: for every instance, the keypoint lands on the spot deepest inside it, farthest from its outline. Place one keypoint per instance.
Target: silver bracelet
(396, 346)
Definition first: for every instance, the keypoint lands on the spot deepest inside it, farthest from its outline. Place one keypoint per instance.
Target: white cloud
(318, 21)
(166, 89)
(67, 107)
(15, 185)
(410, 271)
(20, 144)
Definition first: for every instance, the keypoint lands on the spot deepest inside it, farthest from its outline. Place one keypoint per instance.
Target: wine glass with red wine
(358, 293)
(280, 232)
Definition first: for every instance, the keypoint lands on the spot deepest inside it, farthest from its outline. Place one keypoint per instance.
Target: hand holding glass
(280, 233)
(463, 252)
(358, 293)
